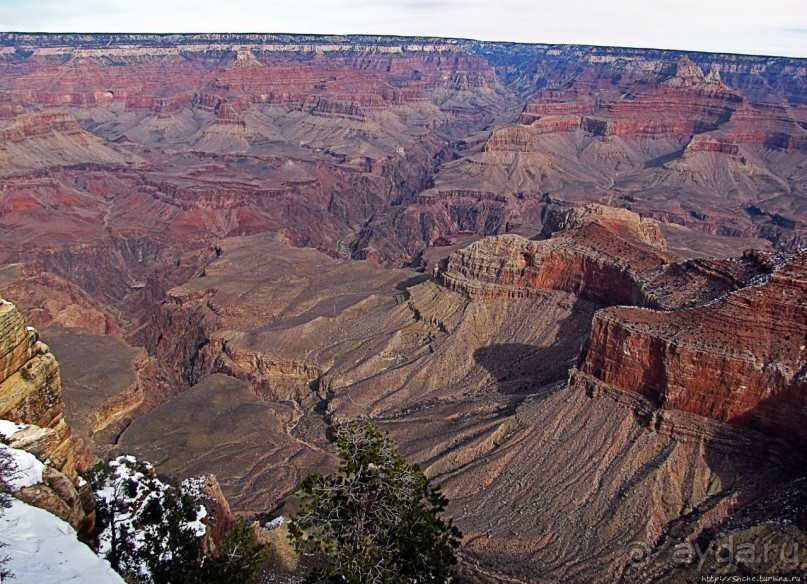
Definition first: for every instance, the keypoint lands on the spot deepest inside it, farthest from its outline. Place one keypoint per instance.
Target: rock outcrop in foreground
(33, 412)
(31, 395)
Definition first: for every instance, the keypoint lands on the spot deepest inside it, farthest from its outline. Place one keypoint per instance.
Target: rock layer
(161, 200)
(31, 394)
(740, 359)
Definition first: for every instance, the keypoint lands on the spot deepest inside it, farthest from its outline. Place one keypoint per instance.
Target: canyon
(569, 281)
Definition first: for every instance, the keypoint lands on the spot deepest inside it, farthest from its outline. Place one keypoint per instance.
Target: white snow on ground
(43, 549)
(29, 469)
(8, 429)
(194, 487)
(198, 527)
(129, 505)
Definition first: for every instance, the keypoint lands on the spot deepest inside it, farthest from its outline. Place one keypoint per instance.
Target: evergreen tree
(151, 532)
(239, 558)
(377, 521)
(146, 524)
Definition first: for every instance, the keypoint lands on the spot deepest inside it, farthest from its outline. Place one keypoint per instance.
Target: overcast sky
(765, 27)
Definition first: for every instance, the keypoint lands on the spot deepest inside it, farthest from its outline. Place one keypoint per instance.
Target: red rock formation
(770, 125)
(36, 125)
(686, 105)
(330, 107)
(620, 222)
(567, 104)
(47, 299)
(739, 359)
(729, 344)
(712, 143)
(158, 105)
(603, 257)
(512, 139)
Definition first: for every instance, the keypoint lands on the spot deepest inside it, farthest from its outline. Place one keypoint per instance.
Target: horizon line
(401, 36)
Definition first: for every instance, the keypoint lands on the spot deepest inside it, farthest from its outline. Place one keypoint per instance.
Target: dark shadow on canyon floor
(519, 368)
(413, 281)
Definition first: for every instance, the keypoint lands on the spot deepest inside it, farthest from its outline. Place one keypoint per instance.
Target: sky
(760, 27)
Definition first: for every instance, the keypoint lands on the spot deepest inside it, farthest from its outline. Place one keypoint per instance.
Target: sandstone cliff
(696, 385)
(280, 343)
(591, 261)
(31, 394)
(138, 191)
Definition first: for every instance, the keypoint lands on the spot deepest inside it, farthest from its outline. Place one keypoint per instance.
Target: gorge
(570, 281)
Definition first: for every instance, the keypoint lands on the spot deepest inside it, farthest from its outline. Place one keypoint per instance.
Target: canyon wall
(740, 359)
(152, 184)
(31, 396)
(723, 339)
(691, 386)
(351, 132)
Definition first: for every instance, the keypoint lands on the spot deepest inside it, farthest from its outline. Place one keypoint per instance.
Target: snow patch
(198, 527)
(131, 489)
(194, 487)
(778, 261)
(8, 428)
(43, 549)
(29, 469)
(275, 523)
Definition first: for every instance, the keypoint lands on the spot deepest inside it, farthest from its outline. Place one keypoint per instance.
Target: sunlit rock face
(31, 397)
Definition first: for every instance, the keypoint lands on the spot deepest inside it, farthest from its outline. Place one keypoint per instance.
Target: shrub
(378, 519)
(151, 530)
(240, 556)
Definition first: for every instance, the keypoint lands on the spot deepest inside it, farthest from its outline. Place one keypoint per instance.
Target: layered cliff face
(333, 140)
(602, 256)
(475, 385)
(620, 222)
(723, 339)
(472, 378)
(662, 138)
(687, 103)
(739, 359)
(707, 386)
(31, 396)
(40, 140)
